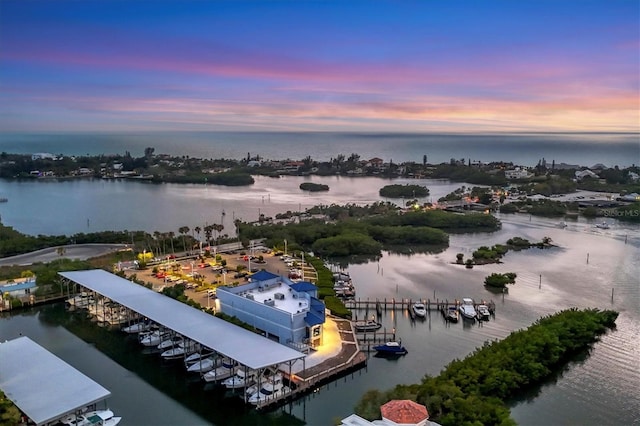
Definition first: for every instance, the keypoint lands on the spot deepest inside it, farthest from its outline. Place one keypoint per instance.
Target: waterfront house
(395, 412)
(18, 288)
(287, 312)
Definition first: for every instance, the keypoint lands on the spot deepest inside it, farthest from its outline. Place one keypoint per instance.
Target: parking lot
(201, 276)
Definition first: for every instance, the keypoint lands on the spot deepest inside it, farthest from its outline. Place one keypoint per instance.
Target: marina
(187, 331)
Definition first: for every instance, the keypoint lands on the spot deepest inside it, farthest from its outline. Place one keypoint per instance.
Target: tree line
(474, 391)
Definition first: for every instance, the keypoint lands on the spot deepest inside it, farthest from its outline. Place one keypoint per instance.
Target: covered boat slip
(46, 388)
(247, 348)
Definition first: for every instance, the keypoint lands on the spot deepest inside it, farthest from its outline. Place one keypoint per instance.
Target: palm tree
(171, 234)
(218, 228)
(156, 236)
(198, 229)
(207, 233)
(183, 230)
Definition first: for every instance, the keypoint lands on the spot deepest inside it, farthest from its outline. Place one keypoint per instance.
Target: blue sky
(410, 66)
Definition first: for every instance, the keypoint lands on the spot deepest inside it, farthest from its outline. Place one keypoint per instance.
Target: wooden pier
(383, 305)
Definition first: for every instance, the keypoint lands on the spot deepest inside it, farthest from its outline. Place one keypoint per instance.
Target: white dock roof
(42, 385)
(244, 346)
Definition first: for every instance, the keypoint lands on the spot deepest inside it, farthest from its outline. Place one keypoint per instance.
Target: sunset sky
(410, 66)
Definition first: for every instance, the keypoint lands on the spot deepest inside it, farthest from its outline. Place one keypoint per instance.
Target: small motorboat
(226, 370)
(368, 325)
(391, 348)
(562, 224)
(241, 380)
(452, 314)
(137, 327)
(204, 365)
(419, 310)
(602, 225)
(484, 314)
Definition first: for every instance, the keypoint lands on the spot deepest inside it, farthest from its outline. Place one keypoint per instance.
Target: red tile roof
(404, 411)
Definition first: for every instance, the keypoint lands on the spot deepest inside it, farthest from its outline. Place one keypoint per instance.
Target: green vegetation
(500, 280)
(484, 255)
(473, 391)
(474, 175)
(630, 213)
(9, 413)
(313, 187)
(231, 178)
(404, 191)
(549, 208)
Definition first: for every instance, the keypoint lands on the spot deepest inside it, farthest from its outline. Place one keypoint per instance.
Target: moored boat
(419, 309)
(368, 325)
(204, 365)
(452, 314)
(391, 348)
(483, 313)
(271, 388)
(226, 370)
(242, 379)
(467, 310)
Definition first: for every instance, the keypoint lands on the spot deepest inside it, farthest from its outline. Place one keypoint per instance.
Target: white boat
(562, 224)
(483, 313)
(242, 379)
(467, 310)
(226, 370)
(137, 327)
(452, 314)
(602, 225)
(92, 418)
(179, 351)
(270, 389)
(153, 338)
(170, 343)
(197, 356)
(204, 365)
(368, 325)
(419, 309)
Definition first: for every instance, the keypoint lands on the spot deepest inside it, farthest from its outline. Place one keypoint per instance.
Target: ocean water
(585, 149)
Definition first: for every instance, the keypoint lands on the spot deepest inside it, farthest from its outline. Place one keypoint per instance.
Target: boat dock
(178, 319)
(402, 304)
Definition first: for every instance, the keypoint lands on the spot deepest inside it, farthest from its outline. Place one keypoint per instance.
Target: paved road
(75, 251)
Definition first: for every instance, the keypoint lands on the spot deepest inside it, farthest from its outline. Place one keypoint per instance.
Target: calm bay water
(600, 389)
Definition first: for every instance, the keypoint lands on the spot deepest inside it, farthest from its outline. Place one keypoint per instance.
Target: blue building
(287, 312)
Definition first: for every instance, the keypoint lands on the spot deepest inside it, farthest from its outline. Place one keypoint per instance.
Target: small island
(485, 255)
(314, 187)
(404, 191)
(500, 280)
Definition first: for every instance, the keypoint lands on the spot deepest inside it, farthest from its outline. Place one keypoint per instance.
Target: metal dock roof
(42, 385)
(244, 346)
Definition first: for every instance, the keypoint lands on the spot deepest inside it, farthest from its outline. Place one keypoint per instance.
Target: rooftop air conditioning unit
(279, 296)
(270, 302)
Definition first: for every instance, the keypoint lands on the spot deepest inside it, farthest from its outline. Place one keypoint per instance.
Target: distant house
(581, 174)
(517, 173)
(394, 413)
(634, 176)
(253, 163)
(376, 162)
(42, 156)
